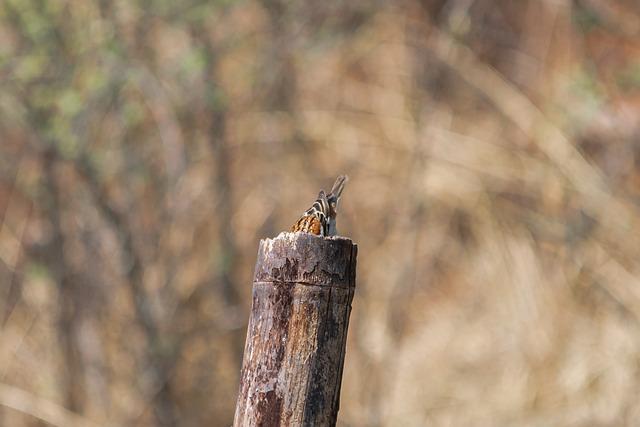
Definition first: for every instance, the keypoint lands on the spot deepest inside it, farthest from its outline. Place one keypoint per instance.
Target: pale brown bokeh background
(494, 154)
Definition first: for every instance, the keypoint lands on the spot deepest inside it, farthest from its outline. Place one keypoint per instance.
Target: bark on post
(293, 357)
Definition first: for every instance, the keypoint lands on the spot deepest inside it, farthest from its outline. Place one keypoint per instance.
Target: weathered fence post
(293, 357)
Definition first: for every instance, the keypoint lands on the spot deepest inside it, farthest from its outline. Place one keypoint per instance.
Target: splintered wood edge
(294, 236)
(308, 259)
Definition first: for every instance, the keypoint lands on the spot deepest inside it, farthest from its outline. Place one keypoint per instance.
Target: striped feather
(320, 218)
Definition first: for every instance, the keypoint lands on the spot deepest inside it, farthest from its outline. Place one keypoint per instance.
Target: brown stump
(293, 357)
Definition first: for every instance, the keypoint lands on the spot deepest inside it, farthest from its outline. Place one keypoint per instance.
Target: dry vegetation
(494, 155)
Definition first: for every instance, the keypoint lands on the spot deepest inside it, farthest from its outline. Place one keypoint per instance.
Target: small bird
(320, 218)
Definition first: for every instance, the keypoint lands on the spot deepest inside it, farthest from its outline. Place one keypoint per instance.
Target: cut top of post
(308, 259)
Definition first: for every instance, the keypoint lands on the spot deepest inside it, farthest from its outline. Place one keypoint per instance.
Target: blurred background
(494, 154)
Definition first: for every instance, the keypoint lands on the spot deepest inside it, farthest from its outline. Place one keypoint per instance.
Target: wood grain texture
(294, 354)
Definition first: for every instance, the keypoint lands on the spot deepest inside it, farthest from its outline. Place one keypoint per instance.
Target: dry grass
(493, 161)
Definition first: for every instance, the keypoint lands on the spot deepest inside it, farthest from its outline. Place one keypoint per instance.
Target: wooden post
(293, 357)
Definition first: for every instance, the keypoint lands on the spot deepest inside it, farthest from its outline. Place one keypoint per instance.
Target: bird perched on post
(320, 218)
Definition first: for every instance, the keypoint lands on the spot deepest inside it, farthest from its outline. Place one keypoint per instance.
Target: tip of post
(289, 235)
(307, 258)
(292, 239)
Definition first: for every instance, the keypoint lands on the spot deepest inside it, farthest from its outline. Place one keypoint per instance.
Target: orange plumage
(320, 218)
(308, 224)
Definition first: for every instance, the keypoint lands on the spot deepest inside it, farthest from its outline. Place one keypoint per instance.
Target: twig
(42, 409)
